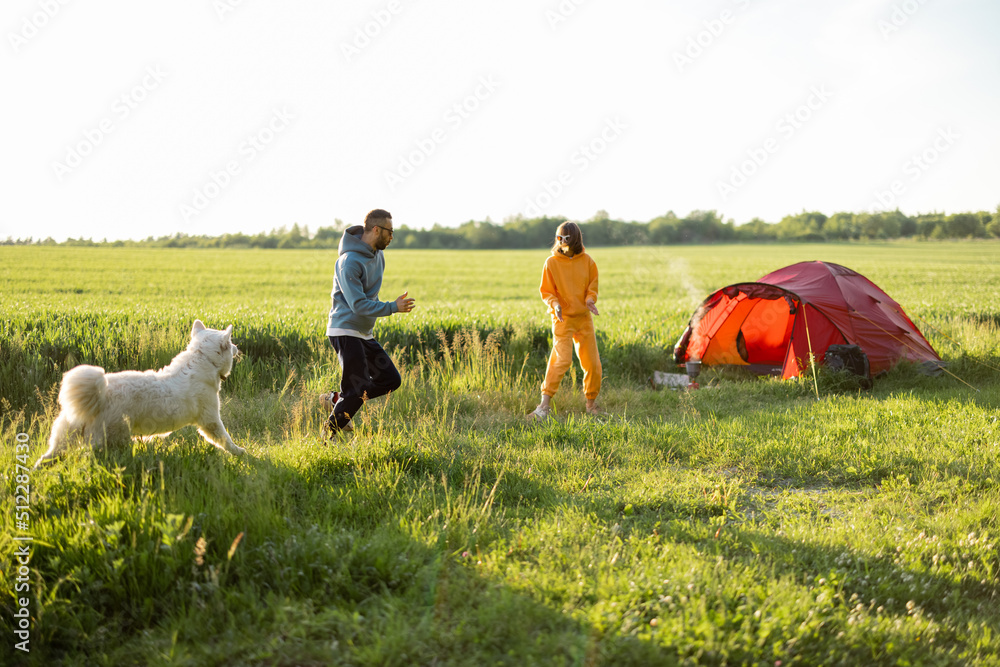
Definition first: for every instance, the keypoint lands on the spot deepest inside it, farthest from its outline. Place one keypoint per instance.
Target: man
(368, 372)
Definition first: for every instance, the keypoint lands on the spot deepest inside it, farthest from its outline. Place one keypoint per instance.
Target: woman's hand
(592, 307)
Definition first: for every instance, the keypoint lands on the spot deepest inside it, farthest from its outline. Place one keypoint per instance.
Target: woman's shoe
(540, 414)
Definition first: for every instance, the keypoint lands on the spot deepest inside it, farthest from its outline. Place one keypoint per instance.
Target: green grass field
(744, 523)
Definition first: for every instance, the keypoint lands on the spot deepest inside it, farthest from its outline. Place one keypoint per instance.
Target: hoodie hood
(556, 253)
(351, 242)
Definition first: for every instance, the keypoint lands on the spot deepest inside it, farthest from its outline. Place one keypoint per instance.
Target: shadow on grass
(169, 551)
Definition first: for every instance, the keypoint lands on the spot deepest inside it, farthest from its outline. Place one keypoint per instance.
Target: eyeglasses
(388, 229)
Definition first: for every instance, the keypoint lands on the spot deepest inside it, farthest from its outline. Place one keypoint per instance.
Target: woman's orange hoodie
(572, 281)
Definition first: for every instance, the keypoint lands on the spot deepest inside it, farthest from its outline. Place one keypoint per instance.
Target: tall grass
(132, 308)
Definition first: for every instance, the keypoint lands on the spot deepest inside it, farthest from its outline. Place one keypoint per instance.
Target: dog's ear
(229, 332)
(198, 326)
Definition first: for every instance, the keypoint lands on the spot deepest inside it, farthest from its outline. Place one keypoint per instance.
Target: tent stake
(812, 357)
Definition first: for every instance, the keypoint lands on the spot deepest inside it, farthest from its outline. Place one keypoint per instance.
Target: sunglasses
(562, 238)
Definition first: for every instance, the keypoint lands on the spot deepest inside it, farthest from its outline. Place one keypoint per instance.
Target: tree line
(602, 230)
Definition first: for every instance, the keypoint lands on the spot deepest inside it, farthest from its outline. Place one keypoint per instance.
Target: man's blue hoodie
(356, 282)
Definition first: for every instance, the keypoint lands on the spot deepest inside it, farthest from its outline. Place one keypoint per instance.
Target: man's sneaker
(330, 430)
(329, 400)
(540, 414)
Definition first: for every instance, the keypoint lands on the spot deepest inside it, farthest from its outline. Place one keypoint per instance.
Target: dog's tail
(83, 393)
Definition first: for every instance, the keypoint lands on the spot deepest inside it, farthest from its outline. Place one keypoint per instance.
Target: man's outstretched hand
(404, 304)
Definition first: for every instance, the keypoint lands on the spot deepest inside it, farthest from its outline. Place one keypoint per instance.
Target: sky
(126, 119)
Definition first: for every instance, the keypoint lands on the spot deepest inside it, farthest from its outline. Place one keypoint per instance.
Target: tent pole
(812, 357)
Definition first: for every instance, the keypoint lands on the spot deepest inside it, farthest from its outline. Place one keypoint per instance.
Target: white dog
(109, 407)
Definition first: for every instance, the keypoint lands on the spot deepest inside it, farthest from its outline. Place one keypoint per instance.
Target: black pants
(368, 372)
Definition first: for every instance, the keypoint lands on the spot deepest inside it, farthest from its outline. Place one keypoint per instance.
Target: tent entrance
(755, 335)
(748, 325)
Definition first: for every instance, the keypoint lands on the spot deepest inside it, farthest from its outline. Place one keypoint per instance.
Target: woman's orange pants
(576, 331)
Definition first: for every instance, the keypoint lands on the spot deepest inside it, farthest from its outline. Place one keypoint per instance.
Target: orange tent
(772, 325)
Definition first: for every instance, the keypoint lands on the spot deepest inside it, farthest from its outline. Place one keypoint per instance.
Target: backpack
(850, 358)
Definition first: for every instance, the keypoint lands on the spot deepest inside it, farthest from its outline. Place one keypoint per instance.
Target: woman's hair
(574, 241)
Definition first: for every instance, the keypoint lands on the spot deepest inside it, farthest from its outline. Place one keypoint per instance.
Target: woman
(569, 289)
